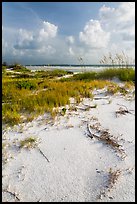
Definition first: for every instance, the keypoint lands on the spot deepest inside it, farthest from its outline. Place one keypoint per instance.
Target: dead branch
(12, 193)
(90, 134)
(122, 111)
(122, 105)
(99, 98)
(43, 154)
(106, 138)
(88, 106)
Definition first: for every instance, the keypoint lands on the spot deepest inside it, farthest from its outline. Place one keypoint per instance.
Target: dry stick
(106, 139)
(88, 106)
(127, 111)
(122, 105)
(13, 194)
(91, 135)
(43, 154)
(84, 109)
(98, 98)
(122, 111)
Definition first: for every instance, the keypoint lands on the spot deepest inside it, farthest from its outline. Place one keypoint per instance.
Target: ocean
(73, 68)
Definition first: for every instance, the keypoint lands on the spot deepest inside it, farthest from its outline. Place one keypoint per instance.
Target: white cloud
(4, 47)
(24, 39)
(35, 39)
(71, 52)
(93, 35)
(70, 39)
(113, 31)
(46, 49)
(47, 31)
(120, 21)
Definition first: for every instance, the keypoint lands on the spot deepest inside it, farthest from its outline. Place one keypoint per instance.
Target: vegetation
(124, 74)
(28, 94)
(29, 142)
(119, 59)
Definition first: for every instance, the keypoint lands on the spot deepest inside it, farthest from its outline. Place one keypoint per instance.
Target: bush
(26, 85)
(12, 118)
(127, 75)
(85, 76)
(124, 74)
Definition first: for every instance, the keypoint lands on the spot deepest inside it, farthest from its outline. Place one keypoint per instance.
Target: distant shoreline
(82, 65)
(75, 68)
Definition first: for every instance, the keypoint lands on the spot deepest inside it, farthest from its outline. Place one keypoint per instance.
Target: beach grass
(29, 142)
(123, 74)
(24, 99)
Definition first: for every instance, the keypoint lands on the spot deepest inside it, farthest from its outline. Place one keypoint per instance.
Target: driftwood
(99, 98)
(107, 138)
(87, 108)
(12, 193)
(43, 154)
(123, 111)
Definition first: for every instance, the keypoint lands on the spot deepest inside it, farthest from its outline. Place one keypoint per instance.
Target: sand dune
(69, 164)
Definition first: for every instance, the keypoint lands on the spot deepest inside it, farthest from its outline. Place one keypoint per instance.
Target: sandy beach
(72, 162)
(68, 102)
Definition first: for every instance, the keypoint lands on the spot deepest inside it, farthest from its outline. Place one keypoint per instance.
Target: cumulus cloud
(71, 52)
(48, 30)
(93, 35)
(70, 39)
(120, 21)
(34, 40)
(24, 40)
(113, 31)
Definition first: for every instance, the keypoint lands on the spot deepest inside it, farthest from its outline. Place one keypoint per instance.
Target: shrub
(29, 142)
(26, 85)
(63, 111)
(12, 118)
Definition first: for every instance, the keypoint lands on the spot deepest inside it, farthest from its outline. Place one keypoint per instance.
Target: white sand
(78, 166)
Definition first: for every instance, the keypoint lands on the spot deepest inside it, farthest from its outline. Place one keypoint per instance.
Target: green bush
(128, 75)
(26, 85)
(124, 74)
(85, 76)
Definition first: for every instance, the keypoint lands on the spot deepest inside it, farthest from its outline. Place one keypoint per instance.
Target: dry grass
(5, 155)
(105, 137)
(122, 111)
(112, 178)
(28, 143)
(36, 95)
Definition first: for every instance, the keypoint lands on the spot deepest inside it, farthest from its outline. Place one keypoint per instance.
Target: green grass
(29, 142)
(124, 74)
(24, 99)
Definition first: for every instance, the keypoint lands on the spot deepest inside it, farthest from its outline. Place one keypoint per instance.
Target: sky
(64, 32)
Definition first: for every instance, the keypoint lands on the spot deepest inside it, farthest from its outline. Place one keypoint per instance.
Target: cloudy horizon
(62, 32)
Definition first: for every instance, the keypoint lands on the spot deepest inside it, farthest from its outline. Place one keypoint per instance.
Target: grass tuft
(28, 143)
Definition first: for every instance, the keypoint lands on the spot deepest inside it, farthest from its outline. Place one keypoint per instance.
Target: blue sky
(61, 32)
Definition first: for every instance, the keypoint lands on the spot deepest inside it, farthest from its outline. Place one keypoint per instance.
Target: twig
(123, 111)
(127, 111)
(108, 139)
(43, 154)
(88, 106)
(13, 194)
(84, 109)
(98, 98)
(91, 135)
(122, 105)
